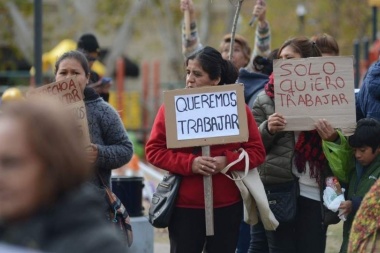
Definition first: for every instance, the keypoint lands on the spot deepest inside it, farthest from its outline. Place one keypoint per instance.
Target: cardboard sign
(71, 96)
(68, 91)
(205, 116)
(309, 89)
(78, 111)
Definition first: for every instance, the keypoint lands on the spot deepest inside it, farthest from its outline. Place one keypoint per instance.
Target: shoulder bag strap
(243, 154)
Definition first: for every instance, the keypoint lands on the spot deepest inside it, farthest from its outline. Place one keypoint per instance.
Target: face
(196, 77)
(70, 67)
(238, 58)
(21, 173)
(288, 53)
(365, 156)
(91, 58)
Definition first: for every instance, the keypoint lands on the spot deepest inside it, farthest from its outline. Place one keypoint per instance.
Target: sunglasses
(91, 58)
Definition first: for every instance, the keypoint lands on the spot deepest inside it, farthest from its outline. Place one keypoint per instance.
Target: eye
(10, 162)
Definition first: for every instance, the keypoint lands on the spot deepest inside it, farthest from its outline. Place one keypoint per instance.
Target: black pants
(187, 230)
(306, 234)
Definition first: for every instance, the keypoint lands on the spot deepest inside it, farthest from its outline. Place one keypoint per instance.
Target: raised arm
(190, 43)
(262, 35)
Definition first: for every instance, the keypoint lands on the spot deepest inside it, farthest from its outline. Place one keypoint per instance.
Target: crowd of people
(53, 190)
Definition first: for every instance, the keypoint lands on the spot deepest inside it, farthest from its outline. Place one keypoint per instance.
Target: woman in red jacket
(187, 231)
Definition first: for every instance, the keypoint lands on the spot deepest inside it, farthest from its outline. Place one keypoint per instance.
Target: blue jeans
(244, 238)
(305, 234)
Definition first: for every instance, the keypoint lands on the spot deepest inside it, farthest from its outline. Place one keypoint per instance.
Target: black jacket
(75, 224)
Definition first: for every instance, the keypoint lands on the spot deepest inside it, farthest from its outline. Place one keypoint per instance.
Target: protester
(110, 147)
(287, 161)
(45, 203)
(365, 231)
(327, 44)
(366, 144)
(102, 87)
(187, 225)
(368, 98)
(242, 57)
(88, 44)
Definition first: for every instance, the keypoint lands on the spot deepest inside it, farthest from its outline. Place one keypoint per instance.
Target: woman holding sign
(295, 159)
(187, 231)
(110, 147)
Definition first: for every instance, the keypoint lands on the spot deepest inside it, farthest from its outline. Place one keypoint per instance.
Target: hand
(259, 10)
(204, 165)
(345, 207)
(187, 5)
(325, 130)
(92, 152)
(276, 123)
(220, 163)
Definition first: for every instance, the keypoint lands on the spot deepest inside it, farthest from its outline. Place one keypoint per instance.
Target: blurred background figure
(327, 44)
(11, 94)
(102, 87)
(88, 44)
(45, 203)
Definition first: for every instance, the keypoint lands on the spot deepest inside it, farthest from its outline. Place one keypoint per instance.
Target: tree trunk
(23, 35)
(122, 37)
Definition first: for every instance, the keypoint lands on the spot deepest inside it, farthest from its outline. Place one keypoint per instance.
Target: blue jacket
(253, 84)
(368, 98)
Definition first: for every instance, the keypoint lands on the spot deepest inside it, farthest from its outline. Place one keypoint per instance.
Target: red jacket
(179, 161)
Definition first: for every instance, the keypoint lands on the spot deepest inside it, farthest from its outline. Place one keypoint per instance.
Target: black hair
(74, 54)
(264, 65)
(88, 43)
(215, 66)
(367, 133)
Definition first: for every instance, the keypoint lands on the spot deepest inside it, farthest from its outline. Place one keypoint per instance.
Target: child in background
(366, 144)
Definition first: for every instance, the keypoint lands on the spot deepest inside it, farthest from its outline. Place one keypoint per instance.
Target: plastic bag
(340, 158)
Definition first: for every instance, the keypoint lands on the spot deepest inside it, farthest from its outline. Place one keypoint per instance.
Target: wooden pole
(156, 84)
(145, 86)
(120, 85)
(236, 17)
(208, 194)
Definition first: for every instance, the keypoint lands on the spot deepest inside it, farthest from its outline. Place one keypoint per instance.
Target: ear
(88, 78)
(216, 81)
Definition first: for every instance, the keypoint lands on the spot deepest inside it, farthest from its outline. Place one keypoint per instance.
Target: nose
(357, 154)
(190, 80)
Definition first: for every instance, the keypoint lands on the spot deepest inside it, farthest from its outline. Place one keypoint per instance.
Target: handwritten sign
(68, 91)
(309, 89)
(205, 116)
(70, 94)
(78, 111)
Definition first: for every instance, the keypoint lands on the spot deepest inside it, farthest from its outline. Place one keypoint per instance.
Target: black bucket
(129, 190)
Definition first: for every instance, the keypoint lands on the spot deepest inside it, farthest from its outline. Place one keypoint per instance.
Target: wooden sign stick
(209, 205)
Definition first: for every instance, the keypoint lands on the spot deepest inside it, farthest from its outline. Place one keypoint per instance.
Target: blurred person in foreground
(365, 230)
(45, 203)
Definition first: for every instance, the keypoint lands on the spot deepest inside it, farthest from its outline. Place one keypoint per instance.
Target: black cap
(88, 43)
